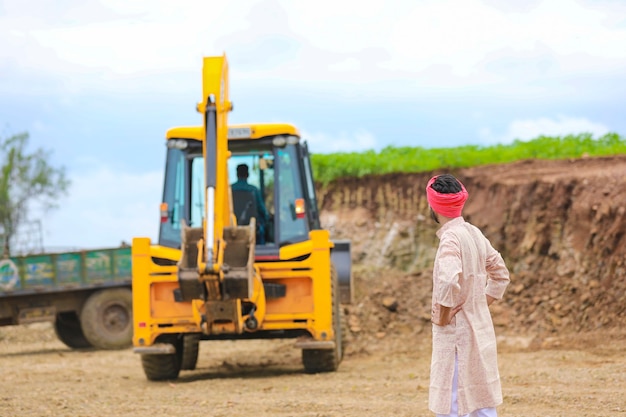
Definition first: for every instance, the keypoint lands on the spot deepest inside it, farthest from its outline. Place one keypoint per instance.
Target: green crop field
(328, 167)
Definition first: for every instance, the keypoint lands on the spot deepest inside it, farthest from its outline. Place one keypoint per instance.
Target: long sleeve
(497, 274)
(448, 270)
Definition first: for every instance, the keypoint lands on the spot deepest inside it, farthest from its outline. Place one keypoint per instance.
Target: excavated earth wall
(559, 225)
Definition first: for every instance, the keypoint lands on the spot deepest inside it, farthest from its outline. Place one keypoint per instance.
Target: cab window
(176, 196)
(289, 188)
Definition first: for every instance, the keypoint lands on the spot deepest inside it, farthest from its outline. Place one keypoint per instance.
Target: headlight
(177, 144)
(280, 141)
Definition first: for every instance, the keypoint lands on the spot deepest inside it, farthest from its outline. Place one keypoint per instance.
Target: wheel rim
(115, 318)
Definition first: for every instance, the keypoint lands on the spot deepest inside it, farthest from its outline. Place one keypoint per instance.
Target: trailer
(86, 294)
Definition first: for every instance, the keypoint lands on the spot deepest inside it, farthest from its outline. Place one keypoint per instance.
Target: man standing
(242, 185)
(468, 275)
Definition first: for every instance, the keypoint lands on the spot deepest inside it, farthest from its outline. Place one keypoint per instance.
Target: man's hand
(442, 316)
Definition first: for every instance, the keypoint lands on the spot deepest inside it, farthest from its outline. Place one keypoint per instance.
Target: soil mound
(559, 225)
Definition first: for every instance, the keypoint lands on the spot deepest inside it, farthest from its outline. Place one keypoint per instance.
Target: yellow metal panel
(296, 250)
(164, 305)
(285, 325)
(257, 131)
(268, 272)
(185, 132)
(261, 130)
(164, 252)
(298, 299)
(141, 261)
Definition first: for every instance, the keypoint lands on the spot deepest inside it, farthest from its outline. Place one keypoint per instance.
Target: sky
(98, 82)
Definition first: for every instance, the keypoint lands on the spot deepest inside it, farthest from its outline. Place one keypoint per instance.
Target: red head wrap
(448, 205)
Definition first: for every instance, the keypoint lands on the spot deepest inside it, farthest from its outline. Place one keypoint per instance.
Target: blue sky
(99, 82)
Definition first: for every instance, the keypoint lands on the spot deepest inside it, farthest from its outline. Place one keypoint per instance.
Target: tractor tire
(161, 367)
(190, 347)
(107, 319)
(328, 360)
(68, 330)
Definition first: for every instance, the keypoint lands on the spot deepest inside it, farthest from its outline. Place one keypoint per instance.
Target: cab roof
(236, 132)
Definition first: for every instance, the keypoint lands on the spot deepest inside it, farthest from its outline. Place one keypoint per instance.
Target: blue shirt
(242, 185)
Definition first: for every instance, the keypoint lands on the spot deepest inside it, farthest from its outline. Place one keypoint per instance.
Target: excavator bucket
(188, 276)
(239, 261)
(238, 265)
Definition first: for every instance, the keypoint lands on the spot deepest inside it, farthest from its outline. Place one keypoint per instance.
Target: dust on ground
(579, 375)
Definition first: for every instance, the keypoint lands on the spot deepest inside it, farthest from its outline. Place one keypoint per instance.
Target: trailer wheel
(328, 360)
(68, 330)
(106, 319)
(190, 347)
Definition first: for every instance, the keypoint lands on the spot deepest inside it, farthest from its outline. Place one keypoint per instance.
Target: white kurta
(466, 268)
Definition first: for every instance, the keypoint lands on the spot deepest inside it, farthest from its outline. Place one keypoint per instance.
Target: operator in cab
(243, 185)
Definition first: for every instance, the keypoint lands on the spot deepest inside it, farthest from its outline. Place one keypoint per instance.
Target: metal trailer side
(86, 294)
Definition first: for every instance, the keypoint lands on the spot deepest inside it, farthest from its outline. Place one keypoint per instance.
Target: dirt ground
(582, 375)
(561, 227)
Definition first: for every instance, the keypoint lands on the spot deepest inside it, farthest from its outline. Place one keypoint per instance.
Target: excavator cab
(279, 169)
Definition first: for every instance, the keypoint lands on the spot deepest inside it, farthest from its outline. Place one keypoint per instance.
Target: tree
(25, 178)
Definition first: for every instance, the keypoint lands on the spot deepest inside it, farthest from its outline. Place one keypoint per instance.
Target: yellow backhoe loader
(237, 261)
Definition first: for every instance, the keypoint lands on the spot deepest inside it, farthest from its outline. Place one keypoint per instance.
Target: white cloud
(104, 208)
(542, 55)
(532, 128)
(109, 45)
(463, 34)
(349, 64)
(443, 43)
(358, 141)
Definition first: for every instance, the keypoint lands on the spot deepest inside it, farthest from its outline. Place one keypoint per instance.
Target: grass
(328, 167)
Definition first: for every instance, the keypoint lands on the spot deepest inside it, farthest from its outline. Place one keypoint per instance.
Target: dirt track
(582, 376)
(561, 227)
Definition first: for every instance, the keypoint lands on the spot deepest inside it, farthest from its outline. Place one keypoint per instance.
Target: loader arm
(215, 107)
(216, 272)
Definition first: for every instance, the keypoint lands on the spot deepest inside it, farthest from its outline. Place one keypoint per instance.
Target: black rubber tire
(190, 348)
(328, 360)
(341, 324)
(107, 319)
(68, 330)
(161, 367)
